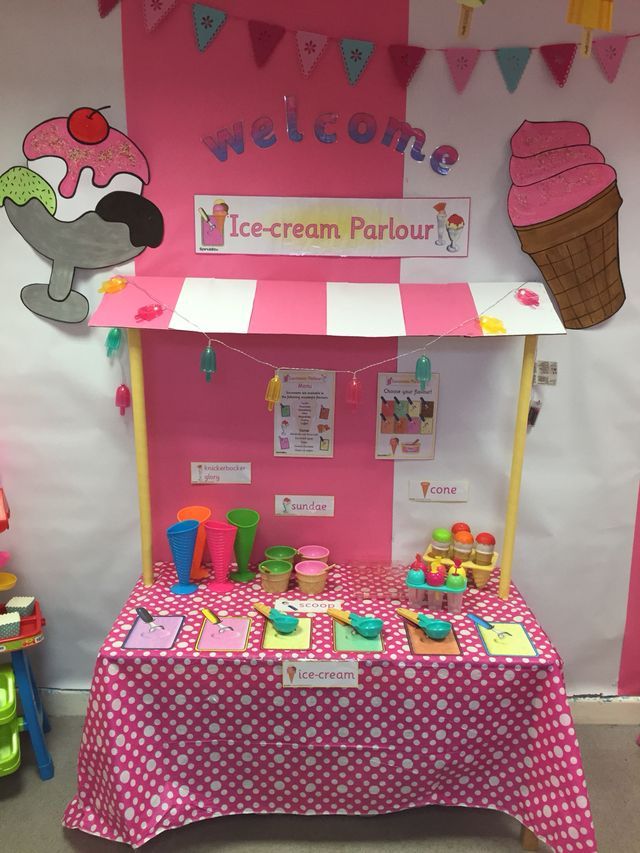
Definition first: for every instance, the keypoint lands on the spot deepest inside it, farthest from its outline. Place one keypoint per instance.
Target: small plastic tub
(280, 552)
(311, 576)
(275, 575)
(313, 552)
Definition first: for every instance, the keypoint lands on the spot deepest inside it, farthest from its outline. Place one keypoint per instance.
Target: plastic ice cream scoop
(488, 625)
(148, 619)
(282, 622)
(435, 629)
(367, 626)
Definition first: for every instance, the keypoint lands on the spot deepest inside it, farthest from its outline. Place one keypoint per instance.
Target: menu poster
(406, 417)
(304, 416)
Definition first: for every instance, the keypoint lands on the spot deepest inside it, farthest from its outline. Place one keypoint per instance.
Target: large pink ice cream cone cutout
(563, 204)
(220, 539)
(200, 514)
(182, 540)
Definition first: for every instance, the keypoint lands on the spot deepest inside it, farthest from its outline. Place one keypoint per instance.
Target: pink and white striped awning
(248, 306)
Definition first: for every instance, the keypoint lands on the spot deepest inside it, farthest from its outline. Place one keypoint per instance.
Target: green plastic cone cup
(246, 520)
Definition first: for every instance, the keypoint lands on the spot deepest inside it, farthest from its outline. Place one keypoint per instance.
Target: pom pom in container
(208, 361)
(423, 371)
(354, 391)
(123, 398)
(113, 341)
(274, 389)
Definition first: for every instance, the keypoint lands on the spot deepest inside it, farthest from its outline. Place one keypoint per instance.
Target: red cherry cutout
(88, 125)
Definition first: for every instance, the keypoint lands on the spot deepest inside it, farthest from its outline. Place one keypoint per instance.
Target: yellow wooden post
(142, 450)
(519, 440)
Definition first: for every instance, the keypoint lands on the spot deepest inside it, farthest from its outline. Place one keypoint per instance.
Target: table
(176, 736)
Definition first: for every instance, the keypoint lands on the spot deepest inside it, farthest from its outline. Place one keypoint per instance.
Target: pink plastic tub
(314, 552)
(311, 567)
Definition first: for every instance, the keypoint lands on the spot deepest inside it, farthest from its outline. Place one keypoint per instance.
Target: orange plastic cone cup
(200, 514)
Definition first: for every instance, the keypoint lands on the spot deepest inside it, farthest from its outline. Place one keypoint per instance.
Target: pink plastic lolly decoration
(5, 556)
(527, 297)
(123, 398)
(149, 312)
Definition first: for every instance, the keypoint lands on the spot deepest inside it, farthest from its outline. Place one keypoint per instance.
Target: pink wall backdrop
(176, 96)
(629, 677)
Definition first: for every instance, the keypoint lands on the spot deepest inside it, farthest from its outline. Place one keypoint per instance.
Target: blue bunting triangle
(355, 55)
(512, 62)
(206, 24)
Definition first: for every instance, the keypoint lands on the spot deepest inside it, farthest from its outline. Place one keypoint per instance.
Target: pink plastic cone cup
(220, 539)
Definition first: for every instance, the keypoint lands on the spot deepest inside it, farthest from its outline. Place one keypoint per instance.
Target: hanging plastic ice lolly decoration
(123, 398)
(208, 361)
(423, 371)
(113, 341)
(274, 389)
(354, 391)
(467, 8)
(590, 15)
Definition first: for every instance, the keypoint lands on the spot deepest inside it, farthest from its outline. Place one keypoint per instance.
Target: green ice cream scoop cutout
(21, 185)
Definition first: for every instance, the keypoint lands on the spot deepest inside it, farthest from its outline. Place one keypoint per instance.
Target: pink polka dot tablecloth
(176, 736)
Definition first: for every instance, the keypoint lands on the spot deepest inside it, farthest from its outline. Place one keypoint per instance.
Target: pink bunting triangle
(609, 52)
(155, 11)
(559, 59)
(461, 62)
(264, 40)
(406, 59)
(106, 6)
(310, 48)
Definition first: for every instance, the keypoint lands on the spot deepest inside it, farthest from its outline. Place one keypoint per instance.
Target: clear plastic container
(454, 602)
(434, 600)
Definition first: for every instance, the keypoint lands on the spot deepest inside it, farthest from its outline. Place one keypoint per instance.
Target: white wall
(66, 456)
(56, 386)
(581, 470)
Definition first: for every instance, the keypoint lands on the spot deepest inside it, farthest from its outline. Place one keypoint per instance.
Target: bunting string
(404, 60)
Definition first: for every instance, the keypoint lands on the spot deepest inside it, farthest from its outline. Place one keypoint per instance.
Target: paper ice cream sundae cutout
(79, 203)
(563, 204)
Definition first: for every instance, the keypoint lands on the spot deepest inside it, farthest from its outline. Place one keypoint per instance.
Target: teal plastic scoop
(282, 622)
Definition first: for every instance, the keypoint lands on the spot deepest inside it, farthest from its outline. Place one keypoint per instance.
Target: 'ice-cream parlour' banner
(365, 227)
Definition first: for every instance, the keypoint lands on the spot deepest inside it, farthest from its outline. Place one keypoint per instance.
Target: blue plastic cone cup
(182, 540)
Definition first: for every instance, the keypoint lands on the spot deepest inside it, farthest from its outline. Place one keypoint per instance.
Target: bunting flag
(264, 40)
(207, 22)
(355, 55)
(156, 11)
(310, 48)
(559, 59)
(106, 6)
(512, 61)
(609, 51)
(461, 62)
(406, 60)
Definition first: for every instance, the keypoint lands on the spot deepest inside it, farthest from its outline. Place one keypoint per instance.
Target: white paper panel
(218, 305)
(518, 319)
(367, 310)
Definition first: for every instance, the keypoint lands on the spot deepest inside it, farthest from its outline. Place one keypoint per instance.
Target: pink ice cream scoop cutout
(118, 228)
(563, 204)
(103, 149)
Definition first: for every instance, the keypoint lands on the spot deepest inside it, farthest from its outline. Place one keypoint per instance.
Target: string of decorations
(590, 15)
(208, 359)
